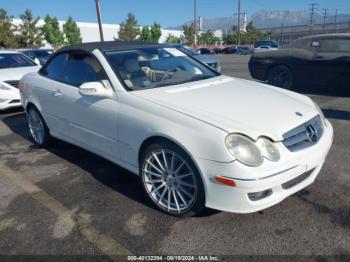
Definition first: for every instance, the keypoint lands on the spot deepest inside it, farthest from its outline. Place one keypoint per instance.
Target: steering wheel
(167, 75)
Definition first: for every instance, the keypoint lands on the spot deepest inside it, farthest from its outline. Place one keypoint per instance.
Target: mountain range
(268, 19)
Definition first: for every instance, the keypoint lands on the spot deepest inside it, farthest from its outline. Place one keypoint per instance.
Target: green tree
(7, 37)
(72, 32)
(30, 34)
(188, 34)
(156, 32)
(252, 34)
(230, 36)
(52, 33)
(129, 30)
(145, 34)
(173, 39)
(207, 38)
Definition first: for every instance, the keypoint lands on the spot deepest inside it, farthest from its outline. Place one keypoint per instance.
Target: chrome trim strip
(262, 178)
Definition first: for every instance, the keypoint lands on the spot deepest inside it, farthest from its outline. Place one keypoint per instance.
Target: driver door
(90, 122)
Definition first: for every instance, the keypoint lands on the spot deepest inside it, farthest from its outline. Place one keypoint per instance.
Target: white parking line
(4, 129)
(104, 243)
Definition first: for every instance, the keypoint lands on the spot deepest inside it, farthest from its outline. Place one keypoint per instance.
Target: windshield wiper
(200, 77)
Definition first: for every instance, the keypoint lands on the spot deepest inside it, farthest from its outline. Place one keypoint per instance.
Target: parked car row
(259, 46)
(239, 50)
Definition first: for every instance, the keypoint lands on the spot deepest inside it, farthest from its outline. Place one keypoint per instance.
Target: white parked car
(13, 66)
(196, 138)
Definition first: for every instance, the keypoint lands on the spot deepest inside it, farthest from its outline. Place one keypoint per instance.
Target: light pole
(239, 22)
(97, 2)
(195, 21)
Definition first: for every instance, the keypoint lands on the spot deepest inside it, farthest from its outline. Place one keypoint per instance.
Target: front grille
(14, 83)
(304, 135)
(297, 180)
(15, 101)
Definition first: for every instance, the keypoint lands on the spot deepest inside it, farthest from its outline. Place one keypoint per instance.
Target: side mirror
(96, 89)
(37, 61)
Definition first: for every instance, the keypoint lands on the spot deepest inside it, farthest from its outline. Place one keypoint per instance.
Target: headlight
(268, 149)
(4, 87)
(243, 149)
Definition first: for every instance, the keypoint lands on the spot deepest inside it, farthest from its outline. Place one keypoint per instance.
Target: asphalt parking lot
(64, 200)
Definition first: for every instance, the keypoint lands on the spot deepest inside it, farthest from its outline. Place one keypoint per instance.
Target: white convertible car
(196, 138)
(13, 66)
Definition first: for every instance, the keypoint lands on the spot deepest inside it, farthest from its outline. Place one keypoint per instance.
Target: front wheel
(171, 180)
(280, 76)
(37, 127)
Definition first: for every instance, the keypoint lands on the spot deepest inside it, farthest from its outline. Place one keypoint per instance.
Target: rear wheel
(171, 180)
(38, 128)
(281, 76)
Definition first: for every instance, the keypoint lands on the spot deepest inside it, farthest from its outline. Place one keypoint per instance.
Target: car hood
(206, 59)
(16, 73)
(236, 105)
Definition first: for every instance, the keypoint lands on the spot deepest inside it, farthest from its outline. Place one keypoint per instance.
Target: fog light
(259, 195)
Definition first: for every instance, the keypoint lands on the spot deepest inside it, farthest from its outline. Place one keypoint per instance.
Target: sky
(167, 12)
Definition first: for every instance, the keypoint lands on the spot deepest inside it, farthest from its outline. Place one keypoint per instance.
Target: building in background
(90, 32)
(286, 34)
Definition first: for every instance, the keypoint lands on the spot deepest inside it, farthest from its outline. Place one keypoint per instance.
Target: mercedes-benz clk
(195, 137)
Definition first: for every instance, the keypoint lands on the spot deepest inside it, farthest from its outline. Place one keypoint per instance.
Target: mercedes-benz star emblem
(311, 133)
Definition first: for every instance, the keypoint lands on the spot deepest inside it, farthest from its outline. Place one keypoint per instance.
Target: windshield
(156, 67)
(15, 60)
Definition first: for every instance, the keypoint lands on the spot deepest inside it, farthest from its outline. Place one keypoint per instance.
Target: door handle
(57, 93)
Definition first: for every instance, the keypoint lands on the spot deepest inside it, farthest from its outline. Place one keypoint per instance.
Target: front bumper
(269, 176)
(10, 104)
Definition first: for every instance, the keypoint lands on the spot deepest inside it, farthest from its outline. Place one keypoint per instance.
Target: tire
(177, 180)
(280, 76)
(38, 128)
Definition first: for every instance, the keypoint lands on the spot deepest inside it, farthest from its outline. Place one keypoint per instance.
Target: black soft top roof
(108, 46)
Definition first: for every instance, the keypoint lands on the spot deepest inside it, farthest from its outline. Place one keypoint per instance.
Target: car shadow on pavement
(336, 114)
(11, 110)
(338, 91)
(104, 171)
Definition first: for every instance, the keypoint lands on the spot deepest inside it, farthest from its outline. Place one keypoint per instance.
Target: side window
(342, 45)
(82, 68)
(74, 68)
(54, 69)
(335, 45)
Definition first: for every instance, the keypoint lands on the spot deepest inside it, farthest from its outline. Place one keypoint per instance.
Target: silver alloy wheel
(169, 180)
(36, 126)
